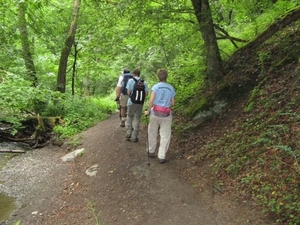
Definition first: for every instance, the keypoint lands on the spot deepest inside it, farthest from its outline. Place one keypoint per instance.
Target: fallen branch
(217, 188)
(11, 151)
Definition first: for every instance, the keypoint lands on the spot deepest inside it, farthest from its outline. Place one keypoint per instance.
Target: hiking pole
(147, 143)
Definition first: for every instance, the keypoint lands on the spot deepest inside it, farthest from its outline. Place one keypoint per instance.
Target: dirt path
(125, 189)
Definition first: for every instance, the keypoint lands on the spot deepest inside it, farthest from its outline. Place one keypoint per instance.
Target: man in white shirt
(121, 94)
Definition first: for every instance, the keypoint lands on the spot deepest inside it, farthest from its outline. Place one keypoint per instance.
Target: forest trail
(125, 190)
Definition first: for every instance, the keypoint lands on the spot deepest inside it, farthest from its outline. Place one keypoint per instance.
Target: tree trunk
(74, 67)
(27, 56)
(214, 68)
(238, 80)
(86, 84)
(62, 69)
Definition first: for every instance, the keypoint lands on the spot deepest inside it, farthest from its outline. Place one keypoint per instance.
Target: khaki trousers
(123, 100)
(163, 126)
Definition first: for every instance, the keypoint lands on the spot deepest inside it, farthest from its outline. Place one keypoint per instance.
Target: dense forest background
(60, 61)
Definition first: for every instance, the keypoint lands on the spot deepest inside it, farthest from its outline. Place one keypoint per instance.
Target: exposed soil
(125, 190)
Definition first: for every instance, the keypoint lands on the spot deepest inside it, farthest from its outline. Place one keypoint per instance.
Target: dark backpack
(126, 77)
(137, 95)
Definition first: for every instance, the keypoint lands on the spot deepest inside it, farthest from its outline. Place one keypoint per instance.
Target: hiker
(159, 108)
(121, 94)
(137, 90)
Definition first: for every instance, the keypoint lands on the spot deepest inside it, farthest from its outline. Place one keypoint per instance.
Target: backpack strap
(136, 80)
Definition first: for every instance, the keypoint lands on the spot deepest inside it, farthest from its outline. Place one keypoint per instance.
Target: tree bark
(74, 67)
(27, 56)
(214, 68)
(62, 69)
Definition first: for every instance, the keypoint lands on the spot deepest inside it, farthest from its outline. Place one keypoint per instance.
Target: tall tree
(63, 63)
(214, 68)
(27, 56)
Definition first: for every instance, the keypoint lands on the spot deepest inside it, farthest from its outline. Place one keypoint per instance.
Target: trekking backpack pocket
(138, 93)
(161, 111)
(126, 77)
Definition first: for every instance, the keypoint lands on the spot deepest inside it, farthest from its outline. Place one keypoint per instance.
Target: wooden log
(12, 151)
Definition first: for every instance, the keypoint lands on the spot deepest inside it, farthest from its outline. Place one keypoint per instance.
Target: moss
(196, 106)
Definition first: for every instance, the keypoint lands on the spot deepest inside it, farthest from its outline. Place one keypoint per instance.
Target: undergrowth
(262, 151)
(81, 113)
(259, 151)
(19, 100)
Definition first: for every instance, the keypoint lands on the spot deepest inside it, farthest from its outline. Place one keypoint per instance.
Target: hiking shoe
(122, 124)
(162, 161)
(152, 155)
(128, 136)
(135, 139)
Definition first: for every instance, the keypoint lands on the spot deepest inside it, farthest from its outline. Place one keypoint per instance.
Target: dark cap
(126, 70)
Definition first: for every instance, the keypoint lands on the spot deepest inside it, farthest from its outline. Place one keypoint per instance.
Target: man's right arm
(150, 104)
(119, 86)
(119, 89)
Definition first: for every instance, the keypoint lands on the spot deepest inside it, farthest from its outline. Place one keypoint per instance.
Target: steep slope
(253, 146)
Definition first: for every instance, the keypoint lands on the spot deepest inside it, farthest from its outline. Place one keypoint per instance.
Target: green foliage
(187, 78)
(18, 222)
(152, 35)
(94, 213)
(251, 102)
(19, 99)
(80, 113)
(75, 141)
(14, 96)
(249, 107)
